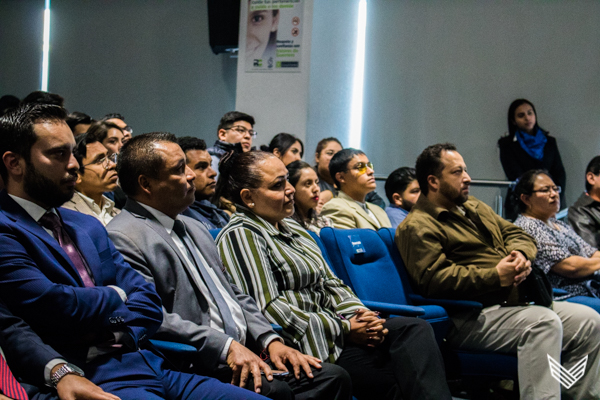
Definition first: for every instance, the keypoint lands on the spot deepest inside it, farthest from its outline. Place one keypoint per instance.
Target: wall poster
(274, 35)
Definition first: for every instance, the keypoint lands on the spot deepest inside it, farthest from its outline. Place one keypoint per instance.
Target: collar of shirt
(161, 217)
(440, 213)
(283, 230)
(107, 205)
(36, 212)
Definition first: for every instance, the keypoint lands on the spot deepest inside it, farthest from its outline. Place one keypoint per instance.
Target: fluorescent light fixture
(356, 108)
(46, 47)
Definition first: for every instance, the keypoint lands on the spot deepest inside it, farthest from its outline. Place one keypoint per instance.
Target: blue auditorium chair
(464, 363)
(215, 232)
(360, 258)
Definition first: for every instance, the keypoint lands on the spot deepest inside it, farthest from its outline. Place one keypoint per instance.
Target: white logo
(567, 378)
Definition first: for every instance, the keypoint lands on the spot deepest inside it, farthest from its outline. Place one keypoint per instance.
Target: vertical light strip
(356, 108)
(46, 47)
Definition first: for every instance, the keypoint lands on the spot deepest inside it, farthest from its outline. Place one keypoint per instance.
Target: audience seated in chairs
(571, 263)
(454, 246)
(283, 269)
(354, 175)
(285, 146)
(61, 274)
(584, 215)
(199, 161)
(119, 120)
(235, 132)
(97, 175)
(306, 199)
(402, 190)
(201, 307)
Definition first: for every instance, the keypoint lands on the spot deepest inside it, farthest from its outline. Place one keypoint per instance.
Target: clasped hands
(244, 362)
(366, 328)
(513, 269)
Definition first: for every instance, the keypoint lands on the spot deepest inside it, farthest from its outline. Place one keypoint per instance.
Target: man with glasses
(235, 132)
(353, 174)
(97, 175)
(119, 121)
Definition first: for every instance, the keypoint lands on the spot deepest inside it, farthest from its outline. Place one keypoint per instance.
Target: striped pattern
(284, 271)
(8, 384)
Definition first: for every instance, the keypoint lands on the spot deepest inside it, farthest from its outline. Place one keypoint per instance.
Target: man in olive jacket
(455, 246)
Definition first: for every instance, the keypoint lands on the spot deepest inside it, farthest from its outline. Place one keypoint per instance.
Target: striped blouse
(284, 271)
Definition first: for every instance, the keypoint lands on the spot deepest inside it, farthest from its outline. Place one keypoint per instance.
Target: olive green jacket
(447, 256)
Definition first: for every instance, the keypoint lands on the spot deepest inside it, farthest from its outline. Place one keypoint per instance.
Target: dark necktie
(51, 221)
(228, 323)
(8, 384)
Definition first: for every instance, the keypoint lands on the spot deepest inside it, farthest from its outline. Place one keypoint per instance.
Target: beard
(451, 193)
(44, 190)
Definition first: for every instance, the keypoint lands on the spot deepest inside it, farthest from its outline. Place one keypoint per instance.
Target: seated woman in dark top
(274, 260)
(526, 147)
(571, 263)
(304, 179)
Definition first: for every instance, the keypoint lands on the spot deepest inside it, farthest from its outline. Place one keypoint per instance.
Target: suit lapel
(16, 213)
(358, 209)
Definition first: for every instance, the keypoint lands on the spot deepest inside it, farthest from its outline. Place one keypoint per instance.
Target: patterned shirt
(555, 245)
(284, 271)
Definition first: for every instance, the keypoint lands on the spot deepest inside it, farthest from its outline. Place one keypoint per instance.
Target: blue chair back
(215, 232)
(323, 250)
(362, 261)
(387, 236)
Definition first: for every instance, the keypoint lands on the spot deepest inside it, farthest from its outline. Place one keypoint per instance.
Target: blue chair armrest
(452, 304)
(396, 309)
(173, 347)
(559, 292)
(277, 328)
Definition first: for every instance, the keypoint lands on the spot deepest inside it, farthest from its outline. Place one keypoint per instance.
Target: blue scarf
(532, 144)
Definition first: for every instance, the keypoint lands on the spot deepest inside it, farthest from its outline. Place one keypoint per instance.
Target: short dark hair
(139, 157)
(8, 102)
(430, 162)
(282, 142)
(324, 142)
(80, 150)
(594, 168)
(44, 98)
(398, 181)
(239, 171)
(294, 170)
(76, 118)
(99, 130)
(233, 116)
(339, 162)
(113, 115)
(191, 143)
(17, 129)
(525, 185)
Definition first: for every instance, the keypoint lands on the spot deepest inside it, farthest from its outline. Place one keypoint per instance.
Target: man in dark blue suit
(61, 274)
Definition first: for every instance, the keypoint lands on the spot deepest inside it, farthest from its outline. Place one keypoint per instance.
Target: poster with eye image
(274, 35)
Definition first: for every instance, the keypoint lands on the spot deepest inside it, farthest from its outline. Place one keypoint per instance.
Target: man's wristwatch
(66, 369)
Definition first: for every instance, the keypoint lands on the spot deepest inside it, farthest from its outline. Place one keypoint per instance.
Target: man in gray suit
(201, 306)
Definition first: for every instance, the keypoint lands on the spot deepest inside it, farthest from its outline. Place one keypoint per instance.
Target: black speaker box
(223, 25)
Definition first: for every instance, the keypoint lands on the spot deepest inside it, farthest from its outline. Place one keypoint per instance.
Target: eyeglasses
(243, 130)
(547, 189)
(128, 129)
(104, 161)
(362, 167)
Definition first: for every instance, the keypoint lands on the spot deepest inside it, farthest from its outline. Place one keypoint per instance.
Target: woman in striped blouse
(274, 260)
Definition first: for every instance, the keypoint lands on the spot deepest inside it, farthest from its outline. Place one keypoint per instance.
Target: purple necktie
(8, 384)
(51, 221)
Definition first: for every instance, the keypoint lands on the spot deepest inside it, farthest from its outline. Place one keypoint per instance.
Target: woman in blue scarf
(526, 147)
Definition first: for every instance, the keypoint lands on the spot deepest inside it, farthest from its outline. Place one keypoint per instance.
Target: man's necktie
(8, 384)
(51, 221)
(229, 324)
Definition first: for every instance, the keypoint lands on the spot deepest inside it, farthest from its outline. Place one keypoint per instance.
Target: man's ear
(79, 177)
(247, 198)
(222, 134)
(397, 200)
(433, 182)
(145, 184)
(591, 178)
(14, 163)
(340, 177)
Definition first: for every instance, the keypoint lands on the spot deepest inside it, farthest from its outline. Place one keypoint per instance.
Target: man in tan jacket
(353, 174)
(455, 246)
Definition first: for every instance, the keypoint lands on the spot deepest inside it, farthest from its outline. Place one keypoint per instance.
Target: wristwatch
(66, 369)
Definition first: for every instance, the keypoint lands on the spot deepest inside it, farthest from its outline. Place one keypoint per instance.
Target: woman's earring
(251, 204)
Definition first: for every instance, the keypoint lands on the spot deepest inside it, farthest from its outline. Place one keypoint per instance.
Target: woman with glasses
(273, 259)
(96, 176)
(353, 174)
(571, 263)
(527, 146)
